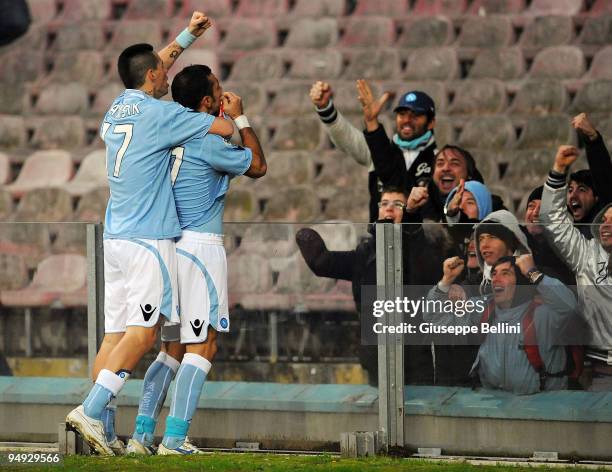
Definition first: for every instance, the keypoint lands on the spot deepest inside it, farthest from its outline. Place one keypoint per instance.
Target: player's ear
(206, 102)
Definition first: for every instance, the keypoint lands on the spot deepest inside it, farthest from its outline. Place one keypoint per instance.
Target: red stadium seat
(92, 206)
(595, 96)
(370, 31)
(45, 205)
(126, 33)
(318, 8)
(64, 132)
(62, 99)
(76, 299)
(12, 131)
(82, 10)
(13, 272)
(32, 241)
(148, 9)
(77, 36)
(391, 8)
(42, 169)
(540, 98)
(258, 66)
(558, 62)
(597, 31)
(544, 31)
(249, 34)
(86, 67)
(311, 33)
(262, 8)
(91, 174)
(546, 132)
(297, 133)
(424, 32)
(479, 96)
(491, 7)
(487, 132)
(55, 276)
(490, 32)
(432, 64)
(378, 64)
(504, 64)
(601, 68)
(439, 7)
(315, 65)
(555, 7)
(298, 204)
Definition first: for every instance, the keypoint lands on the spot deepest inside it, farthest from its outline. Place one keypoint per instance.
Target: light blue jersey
(139, 132)
(201, 171)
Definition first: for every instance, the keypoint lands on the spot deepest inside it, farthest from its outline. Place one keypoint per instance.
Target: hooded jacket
(587, 259)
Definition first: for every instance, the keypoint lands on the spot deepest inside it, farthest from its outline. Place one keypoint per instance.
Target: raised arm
(232, 105)
(197, 25)
(322, 262)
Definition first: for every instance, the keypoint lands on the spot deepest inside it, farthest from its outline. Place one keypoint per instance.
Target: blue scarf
(413, 144)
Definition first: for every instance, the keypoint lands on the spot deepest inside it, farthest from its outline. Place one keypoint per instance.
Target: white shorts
(202, 280)
(140, 283)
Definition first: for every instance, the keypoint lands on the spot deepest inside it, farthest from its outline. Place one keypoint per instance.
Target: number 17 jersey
(139, 132)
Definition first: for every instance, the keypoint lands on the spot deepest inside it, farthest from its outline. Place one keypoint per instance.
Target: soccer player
(141, 220)
(201, 173)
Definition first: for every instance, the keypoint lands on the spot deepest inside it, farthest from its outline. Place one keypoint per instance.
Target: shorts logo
(147, 311)
(197, 326)
(223, 323)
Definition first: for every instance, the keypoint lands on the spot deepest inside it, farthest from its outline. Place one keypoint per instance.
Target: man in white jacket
(590, 261)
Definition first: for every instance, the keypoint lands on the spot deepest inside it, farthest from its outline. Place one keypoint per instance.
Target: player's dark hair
(191, 85)
(134, 62)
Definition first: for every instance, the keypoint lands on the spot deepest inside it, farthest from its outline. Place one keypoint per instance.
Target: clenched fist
(199, 23)
(582, 124)
(566, 156)
(320, 94)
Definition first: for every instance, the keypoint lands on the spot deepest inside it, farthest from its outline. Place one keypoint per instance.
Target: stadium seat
(13, 272)
(546, 132)
(486, 32)
(439, 7)
(92, 206)
(63, 132)
(487, 164)
(55, 275)
(254, 99)
(345, 97)
(378, 64)
(105, 96)
(76, 299)
(369, 31)
(291, 98)
(339, 298)
(276, 240)
(318, 8)
(491, 7)
(213, 8)
(62, 99)
(149, 9)
(311, 33)
(194, 56)
(348, 205)
(544, 31)
(479, 96)
(262, 8)
(334, 170)
(295, 278)
(487, 132)
(44, 205)
(601, 68)
(297, 133)
(90, 175)
(5, 169)
(77, 36)
(504, 64)
(509, 196)
(558, 62)
(247, 273)
(15, 70)
(86, 67)
(257, 66)
(42, 169)
(12, 131)
(432, 64)
(601, 7)
(6, 205)
(287, 169)
(540, 98)
(250, 34)
(555, 7)
(298, 204)
(13, 98)
(425, 32)
(340, 236)
(69, 238)
(42, 11)
(315, 65)
(240, 205)
(32, 241)
(82, 10)
(527, 169)
(597, 31)
(126, 33)
(594, 96)
(390, 8)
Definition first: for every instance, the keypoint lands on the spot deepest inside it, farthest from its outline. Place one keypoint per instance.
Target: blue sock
(189, 383)
(154, 390)
(107, 385)
(108, 418)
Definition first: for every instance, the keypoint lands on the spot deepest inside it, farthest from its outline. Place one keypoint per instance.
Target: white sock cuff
(197, 361)
(110, 381)
(161, 357)
(171, 362)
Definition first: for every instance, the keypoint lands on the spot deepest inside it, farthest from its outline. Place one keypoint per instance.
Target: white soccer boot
(137, 448)
(117, 446)
(91, 430)
(184, 449)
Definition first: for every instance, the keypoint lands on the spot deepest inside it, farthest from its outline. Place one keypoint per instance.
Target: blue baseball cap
(418, 102)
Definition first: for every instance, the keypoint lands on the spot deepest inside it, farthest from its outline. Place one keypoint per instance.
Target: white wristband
(242, 122)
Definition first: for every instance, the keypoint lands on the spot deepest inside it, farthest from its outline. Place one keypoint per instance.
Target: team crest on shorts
(223, 323)
(197, 326)
(147, 311)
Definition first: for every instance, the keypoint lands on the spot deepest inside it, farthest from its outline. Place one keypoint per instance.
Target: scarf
(413, 144)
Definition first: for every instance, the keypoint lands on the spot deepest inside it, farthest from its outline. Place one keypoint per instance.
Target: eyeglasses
(395, 203)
